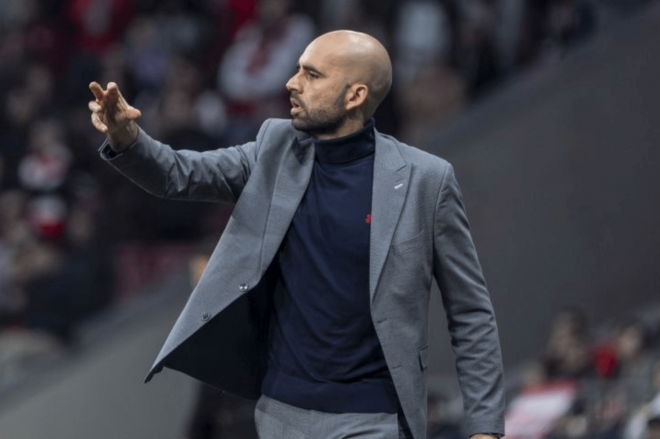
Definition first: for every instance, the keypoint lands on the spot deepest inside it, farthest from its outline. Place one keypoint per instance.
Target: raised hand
(112, 115)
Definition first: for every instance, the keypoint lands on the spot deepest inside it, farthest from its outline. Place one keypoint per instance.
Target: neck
(349, 126)
(354, 146)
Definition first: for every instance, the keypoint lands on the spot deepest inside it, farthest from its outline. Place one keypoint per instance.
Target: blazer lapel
(290, 186)
(390, 186)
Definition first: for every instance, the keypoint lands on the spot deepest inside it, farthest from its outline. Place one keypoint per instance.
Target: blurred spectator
(258, 63)
(567, 352)
(234, 14)
(375, 17)
(87, 252)
(99, 24)
(645, 423)
(635, 364)
(46, 165)
(645, 406)
(552, 26)
(180, 128)
(47, 39)
(190, 116)
(479, 57)
(14, 13)
(211, 114)
(114, 68)
(50, 285)
(13, 226)
(435, 96)
(45, 295)
(30, 97)
(422, 38)
(46, 215)
(334, 13)
(146, 52)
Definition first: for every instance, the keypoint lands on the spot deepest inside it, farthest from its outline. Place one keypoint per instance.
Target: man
(316, 298)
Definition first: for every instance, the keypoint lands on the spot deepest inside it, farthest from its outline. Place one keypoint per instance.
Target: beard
(321, 120)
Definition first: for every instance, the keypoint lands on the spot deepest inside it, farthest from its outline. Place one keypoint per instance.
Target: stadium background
(548, 110)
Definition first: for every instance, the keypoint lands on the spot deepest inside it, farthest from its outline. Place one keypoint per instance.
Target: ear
(356, 96)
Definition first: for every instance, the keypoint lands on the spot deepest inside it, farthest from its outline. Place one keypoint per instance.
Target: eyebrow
(309, 68)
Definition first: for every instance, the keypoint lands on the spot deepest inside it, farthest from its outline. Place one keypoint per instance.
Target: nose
(293, 84)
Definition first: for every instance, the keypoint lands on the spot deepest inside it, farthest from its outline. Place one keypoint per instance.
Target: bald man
(315, 300)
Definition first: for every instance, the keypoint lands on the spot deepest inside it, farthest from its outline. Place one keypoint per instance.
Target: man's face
(318, 91)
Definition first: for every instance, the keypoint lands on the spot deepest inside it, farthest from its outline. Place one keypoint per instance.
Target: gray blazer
(419, 231)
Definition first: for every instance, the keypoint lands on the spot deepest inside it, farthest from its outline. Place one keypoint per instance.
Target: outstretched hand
(112, 115)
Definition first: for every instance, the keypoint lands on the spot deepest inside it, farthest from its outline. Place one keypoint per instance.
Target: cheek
(315, 101)
(321, 91)
(316, 95)
(330, 100)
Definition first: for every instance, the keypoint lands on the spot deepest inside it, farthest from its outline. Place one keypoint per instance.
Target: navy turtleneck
(324, 352)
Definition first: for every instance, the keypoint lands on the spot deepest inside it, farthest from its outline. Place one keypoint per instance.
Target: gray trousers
(277, 420)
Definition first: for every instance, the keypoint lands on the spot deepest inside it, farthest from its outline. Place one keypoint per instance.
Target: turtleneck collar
(349, 148)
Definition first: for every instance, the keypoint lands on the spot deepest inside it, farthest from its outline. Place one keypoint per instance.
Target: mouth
(295, 108)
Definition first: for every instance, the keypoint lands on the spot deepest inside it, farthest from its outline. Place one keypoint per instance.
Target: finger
(133, 113)
(112, 94)
(113, 89)
(98, 124)
(97, 90)
(95, 107)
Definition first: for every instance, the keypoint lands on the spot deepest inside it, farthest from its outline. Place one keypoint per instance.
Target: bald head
(341, 79)
(363, 59)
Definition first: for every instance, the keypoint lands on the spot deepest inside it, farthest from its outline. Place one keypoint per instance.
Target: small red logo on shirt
(368, 219)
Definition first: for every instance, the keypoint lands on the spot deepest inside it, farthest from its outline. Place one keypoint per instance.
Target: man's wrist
(486, 436)
(123, 138)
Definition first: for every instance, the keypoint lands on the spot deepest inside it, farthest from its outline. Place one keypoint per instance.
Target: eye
(312, 75)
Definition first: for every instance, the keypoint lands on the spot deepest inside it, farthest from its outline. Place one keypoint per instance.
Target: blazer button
(206, 316)
(243, 287)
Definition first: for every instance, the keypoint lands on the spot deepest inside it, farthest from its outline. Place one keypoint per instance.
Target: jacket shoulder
(422, 161)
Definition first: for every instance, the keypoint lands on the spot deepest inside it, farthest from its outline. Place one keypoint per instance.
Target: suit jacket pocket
(409, 244)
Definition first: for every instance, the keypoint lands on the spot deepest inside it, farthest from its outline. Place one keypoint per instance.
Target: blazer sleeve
(218, 175)
(470, 315)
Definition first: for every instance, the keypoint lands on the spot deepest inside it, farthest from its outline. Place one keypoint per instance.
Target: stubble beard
(321, 120)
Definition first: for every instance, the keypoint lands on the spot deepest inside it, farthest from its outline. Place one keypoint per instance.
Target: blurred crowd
(205, 74)
(602, 383)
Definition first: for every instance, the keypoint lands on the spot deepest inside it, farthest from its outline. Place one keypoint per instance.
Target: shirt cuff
(108, 153)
